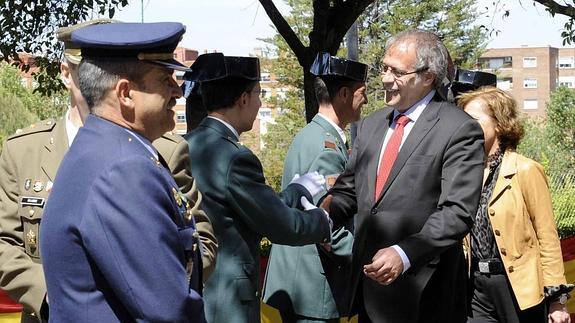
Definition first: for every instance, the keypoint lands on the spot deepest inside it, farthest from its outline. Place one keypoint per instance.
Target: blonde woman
(516, 269)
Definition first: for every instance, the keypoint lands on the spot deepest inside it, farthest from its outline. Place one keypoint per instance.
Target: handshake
(314, 183)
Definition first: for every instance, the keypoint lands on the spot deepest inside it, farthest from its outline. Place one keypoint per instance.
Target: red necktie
(390, 153)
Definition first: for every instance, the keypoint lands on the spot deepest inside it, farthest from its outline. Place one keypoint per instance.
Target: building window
(566, 62)
(494, 63)
(566, 81)
(529, 62)
(181, 117)
(530, 83)
(505, 83)
(265, 77)
(529, 104)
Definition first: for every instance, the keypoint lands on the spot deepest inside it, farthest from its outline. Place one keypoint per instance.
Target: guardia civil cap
(151, 42)
(72, 51)
(327, 65)
(466, 80)
(216, 66)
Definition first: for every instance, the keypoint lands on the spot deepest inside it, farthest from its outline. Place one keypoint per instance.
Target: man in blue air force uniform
(309, 283)
(118, 239)
(240, 205)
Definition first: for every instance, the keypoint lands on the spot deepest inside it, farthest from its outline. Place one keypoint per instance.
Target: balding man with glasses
(414, 180)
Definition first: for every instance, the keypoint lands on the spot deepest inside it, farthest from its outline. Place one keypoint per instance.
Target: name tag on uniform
(32, 201)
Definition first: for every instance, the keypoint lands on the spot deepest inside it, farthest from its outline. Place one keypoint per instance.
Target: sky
(234, 27)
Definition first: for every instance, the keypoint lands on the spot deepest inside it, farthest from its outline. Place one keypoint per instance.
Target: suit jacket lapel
(55, 148)
(429, 117)
(507, 171)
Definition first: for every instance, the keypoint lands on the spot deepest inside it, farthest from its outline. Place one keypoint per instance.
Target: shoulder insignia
(42, 126)
(329, 144)
(330, 180)
(171, 136)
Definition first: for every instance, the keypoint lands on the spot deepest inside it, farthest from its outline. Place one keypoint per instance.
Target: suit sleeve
(461, 181)
(331, 162)
(179, 164)
(20, 276)
(138, 249)
(537, 199)
(344, 203)
(265, 212)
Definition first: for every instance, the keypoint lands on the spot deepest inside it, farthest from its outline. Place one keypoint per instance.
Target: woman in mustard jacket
(516, 269)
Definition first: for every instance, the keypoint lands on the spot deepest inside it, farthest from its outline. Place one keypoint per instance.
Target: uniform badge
(49, 185)
(38, 186)
(27, 184)
(31, 237)
(189, 213)
(329, 144)
(330, 180)
(177, 196)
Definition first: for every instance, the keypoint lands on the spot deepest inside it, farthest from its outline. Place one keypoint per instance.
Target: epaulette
(233, 141)
(170, 135)
(41, 126)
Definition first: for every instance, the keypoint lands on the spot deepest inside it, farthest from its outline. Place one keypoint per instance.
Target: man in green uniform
(240, 205)
(28, 165)
(308, 283)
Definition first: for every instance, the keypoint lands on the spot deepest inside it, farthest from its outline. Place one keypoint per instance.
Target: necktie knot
(401, 120)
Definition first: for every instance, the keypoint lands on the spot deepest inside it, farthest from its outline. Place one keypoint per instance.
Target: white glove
(313, 182)
(307, 205)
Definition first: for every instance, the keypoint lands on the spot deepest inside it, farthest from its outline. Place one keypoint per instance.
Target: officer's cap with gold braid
(150, 42)
(326, 65)
(72, 51)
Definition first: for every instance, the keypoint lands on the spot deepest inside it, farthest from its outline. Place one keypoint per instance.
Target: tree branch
(284, 28)
(342, 16)
(555, 7)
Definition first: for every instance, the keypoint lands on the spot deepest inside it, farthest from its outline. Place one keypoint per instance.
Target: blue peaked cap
(327, 65)
(215, 66)
(152, 42)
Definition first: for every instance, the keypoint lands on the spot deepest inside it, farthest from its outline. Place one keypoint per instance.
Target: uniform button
(31, 212)
(257, 293)
(492, 212)
(497, 233)
(503, 251)
(511, 269)
(374, 211)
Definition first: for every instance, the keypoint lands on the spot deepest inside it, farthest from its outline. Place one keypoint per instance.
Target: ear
(66, 75)
(244, 99)
(124, 93)
(344, 93)
(428, 78)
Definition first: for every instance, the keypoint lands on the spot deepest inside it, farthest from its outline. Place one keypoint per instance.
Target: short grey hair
(96, 76)
(430, 52)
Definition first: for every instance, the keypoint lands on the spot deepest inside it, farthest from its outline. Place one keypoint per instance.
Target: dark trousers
(493, 301)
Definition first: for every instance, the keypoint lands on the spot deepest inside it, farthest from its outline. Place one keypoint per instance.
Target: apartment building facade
(530, 74)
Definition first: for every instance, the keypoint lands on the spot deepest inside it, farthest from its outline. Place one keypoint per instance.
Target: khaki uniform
(28, 165)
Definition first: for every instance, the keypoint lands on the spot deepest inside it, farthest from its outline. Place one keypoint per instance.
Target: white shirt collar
(415, 111)
(229, 126)
(71, 129)
(337, 128)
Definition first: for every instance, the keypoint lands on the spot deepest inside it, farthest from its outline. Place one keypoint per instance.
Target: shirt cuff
(404, 259)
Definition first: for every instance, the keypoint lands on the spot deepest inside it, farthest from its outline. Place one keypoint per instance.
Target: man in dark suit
(414, 180)
(118, 239)
(309, 283)
(240, 205)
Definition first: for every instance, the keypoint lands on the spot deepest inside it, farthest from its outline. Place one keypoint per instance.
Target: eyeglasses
(399, 74)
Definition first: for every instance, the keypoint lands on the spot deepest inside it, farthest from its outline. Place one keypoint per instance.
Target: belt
(488, 266)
